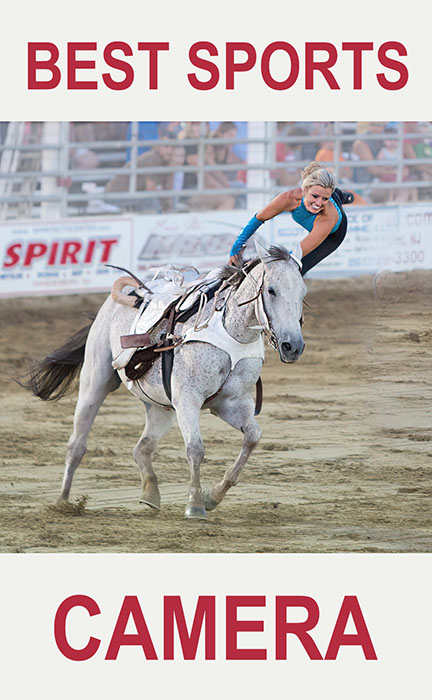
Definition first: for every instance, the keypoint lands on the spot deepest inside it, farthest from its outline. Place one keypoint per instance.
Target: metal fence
(61, 169)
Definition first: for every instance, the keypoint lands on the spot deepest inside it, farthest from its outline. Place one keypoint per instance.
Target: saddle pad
(215, 334)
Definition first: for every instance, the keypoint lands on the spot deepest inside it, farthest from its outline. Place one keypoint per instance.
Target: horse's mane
(236, 273)
(278, 252)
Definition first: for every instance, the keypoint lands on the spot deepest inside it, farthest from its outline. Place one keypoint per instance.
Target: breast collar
(216, 334)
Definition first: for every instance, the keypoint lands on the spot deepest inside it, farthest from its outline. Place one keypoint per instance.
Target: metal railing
(43, 173)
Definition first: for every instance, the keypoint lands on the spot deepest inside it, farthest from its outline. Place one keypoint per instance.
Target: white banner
(62, 257)
(378, 238)
(70, 257)
(333, 626)
(203, 240)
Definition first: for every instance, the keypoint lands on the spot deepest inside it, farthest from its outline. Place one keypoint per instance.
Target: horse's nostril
(286, 347)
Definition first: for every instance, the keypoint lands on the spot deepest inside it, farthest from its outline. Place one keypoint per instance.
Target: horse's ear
(261, 251)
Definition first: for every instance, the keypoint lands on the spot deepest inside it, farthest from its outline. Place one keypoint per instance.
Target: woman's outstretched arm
(286, 201)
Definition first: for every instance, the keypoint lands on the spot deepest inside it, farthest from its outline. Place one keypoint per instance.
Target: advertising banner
(62, 257)
(70, 257)
(379, 238)
(201, 239)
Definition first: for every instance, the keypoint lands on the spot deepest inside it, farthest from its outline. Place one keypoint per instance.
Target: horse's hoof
(151, 504)
(209, 502)
(196, 513)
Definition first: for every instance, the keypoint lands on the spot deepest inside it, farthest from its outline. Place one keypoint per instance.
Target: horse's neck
(239, 319)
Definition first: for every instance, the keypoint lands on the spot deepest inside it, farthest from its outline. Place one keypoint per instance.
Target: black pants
(324, 249)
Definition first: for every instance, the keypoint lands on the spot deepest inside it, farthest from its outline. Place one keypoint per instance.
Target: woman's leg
(325, 248)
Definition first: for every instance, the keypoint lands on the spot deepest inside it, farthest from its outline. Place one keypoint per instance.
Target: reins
(259, 292)
(260, 311)
(165, 347)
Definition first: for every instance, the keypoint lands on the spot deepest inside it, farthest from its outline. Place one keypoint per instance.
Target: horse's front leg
(240, 415)
(188, 417)
(158, 422)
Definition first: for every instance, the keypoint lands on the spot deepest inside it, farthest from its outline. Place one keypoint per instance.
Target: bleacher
(61, 169)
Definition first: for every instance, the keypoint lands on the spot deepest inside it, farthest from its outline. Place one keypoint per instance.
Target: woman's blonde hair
(317, 174)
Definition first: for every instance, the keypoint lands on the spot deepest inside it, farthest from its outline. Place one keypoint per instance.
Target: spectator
(318, 129)
(390, 152)
(422, 148)
(240, 149)
(149, 131)
(88, 158)
(172, 129)
(368, 149)
(326, 153)
(82, 157)
(224, 153)
(110, 131)
(158, 157)
(214, 179)
(286, 153)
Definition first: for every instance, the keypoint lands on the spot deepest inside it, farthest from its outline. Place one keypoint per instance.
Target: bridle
(260, 310)
(261, 313)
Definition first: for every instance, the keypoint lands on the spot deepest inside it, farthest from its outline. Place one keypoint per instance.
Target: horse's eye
(271, 291)
(301, 320)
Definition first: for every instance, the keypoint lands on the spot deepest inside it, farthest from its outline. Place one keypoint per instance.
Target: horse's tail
(51, 378)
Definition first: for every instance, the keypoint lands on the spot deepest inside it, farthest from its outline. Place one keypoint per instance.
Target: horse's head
(280, 303)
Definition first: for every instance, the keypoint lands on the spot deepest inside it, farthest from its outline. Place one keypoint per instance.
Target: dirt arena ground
(344, 464)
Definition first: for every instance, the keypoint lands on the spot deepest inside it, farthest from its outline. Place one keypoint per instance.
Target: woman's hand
(235, 260)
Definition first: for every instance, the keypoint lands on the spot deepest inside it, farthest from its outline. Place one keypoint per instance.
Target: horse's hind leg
(240, 415)
(158, 422)
(96, 382)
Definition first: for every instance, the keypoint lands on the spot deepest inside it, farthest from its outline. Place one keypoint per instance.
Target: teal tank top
(306, 219)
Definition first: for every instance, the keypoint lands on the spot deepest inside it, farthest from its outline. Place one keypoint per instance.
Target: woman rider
(317, 206)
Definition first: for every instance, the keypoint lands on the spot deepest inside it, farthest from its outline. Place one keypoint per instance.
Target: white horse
(268, 298)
